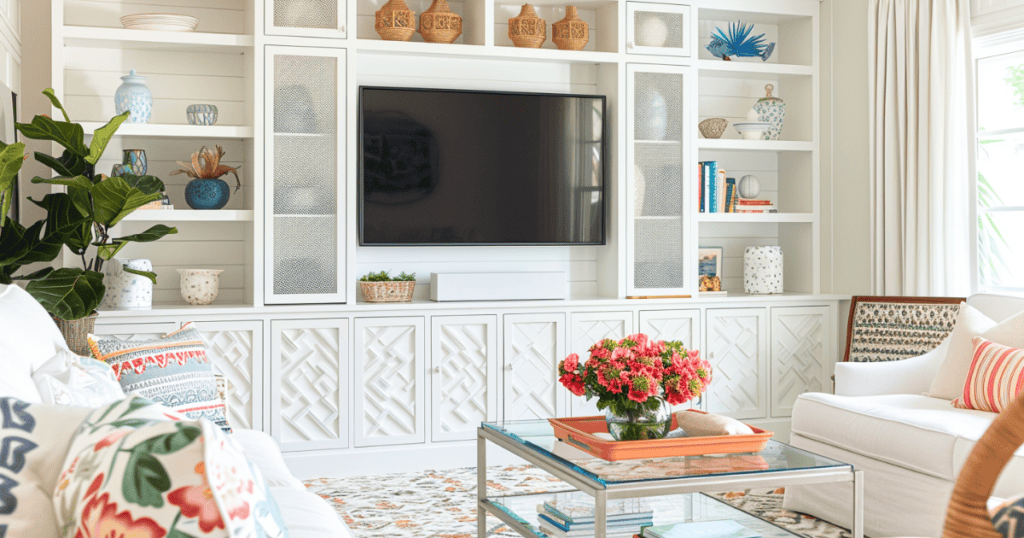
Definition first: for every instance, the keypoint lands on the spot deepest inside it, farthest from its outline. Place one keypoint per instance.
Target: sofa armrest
(910, 376)
(265, 455)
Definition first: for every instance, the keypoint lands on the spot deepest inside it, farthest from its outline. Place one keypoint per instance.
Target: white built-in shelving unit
(346, 385)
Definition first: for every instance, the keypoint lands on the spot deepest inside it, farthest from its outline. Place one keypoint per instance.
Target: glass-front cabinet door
(305, 18)
(305, 167)
(661, 29)
(657, 225)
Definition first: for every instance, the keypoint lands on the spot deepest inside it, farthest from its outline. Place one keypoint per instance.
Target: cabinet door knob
(437, 369)
(508, 367)
(342, 28)
(631, 44)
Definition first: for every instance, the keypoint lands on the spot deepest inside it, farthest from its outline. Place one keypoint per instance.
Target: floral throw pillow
(137, 469)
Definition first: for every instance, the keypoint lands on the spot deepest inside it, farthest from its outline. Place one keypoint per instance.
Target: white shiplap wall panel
(419, 72)
(734, 239)
(216, 16)
(732, 98)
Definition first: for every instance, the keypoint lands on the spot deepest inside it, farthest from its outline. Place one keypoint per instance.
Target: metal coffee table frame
(602, 493)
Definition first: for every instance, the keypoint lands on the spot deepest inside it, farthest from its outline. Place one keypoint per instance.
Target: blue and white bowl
(201, 114)
(752, 130)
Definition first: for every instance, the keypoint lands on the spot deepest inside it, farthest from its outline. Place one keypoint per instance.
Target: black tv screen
(444, 167)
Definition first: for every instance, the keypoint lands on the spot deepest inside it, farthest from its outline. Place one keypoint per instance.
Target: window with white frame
(1000, 167)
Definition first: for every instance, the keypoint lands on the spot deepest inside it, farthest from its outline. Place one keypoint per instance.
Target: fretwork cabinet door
(671, 325)
(390, 389)
(309, 383)
(589, 328)
(801, 340)
(464, 381)
(236, 350)
(738, 351)
(534, 343)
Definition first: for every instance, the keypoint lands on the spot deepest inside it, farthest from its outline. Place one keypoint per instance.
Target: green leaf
(82, 200)
(20, 246)
(101, 137)
(56, 102)
(148, 274)
(170, 443)
(130, 423)
(11, 158)
(81, 182)
(68, 164)
(150, 235)
(34, 275)
(69, 293)
(69, 135)
(114, 199)
(145, 480)
(107, 252)
(175, 533)
(146, 184)
(65, 221)
(135, 405)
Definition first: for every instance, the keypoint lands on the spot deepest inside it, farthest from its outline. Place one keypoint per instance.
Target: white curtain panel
(921, 146)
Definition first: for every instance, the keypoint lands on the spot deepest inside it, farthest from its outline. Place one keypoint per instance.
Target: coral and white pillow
(995, 379)
(970, 323)
(139, 469)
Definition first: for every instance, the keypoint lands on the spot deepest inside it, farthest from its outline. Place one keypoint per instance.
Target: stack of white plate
(161, 22)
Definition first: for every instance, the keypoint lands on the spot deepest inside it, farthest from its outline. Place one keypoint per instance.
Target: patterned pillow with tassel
(174, 371)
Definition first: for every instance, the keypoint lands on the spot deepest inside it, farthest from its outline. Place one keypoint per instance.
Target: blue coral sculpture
(739, 43)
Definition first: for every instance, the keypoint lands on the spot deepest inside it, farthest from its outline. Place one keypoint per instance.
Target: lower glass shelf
(668, 509)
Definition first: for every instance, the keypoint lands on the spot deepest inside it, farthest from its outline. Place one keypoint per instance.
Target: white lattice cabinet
(463, 377)
(737, 348)
(236, 350)
(681, 325)
(309, 383)
(534, 344)
(589, 328)
(801, 337)
(390, 389)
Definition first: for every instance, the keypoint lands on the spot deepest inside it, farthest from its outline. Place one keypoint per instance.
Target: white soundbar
(498, 286)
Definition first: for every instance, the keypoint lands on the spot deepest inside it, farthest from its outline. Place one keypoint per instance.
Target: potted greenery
(80, 218)
(383, 288)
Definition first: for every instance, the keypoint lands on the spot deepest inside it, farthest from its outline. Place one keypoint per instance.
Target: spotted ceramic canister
(200, 286)
(772, 110)
(124, 290)
(133, 95)
(762, 270)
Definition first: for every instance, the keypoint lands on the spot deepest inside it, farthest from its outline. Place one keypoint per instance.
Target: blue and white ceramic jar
(762, 270)
(201, 114)
(207, 193)
(772, 110)
(134, 96)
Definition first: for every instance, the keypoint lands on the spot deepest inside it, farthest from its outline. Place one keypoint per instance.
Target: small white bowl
(751, 130)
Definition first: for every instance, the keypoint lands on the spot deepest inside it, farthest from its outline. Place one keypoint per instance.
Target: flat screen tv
(447, 167)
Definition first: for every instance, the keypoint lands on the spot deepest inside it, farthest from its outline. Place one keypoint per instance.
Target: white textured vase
(762, 270)
(124, 290)
(200, 286)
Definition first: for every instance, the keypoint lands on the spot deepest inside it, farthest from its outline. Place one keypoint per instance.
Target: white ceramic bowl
(751, 130)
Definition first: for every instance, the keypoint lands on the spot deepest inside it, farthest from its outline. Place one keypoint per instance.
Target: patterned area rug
(442, 504)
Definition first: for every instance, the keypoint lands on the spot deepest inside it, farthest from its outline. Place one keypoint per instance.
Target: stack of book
(571, 515)
(755, 206)
(700, 529)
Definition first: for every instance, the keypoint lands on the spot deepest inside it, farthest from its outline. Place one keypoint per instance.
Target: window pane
(1000, 249)
(1001, 92)
(1001, 171)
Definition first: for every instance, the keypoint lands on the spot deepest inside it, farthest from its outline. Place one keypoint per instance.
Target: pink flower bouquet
(635, 381)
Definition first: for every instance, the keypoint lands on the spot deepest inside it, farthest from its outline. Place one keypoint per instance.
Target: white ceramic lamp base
(762, 270)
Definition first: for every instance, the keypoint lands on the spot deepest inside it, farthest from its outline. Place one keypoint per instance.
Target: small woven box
(388, 292)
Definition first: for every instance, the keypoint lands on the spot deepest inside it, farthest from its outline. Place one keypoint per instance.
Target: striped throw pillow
(995, 379)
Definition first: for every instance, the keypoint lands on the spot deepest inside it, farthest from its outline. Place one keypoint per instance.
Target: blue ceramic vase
(207, 193)
(133, 95)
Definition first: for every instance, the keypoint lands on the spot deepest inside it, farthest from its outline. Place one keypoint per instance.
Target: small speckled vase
(133, 95)
(207, 193)
(762, 270)
(124, 290)
(200, 286)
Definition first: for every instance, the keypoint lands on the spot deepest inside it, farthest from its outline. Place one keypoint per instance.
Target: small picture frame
(709, 260)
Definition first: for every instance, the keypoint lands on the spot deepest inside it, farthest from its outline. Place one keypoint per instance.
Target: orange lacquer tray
(579, 431)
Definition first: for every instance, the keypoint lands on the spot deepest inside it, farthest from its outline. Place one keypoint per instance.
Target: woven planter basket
(527, 30)
(76, 332)
(570, 33)
(388, 292)
(395, 21)
(713, 127)
(439, 25)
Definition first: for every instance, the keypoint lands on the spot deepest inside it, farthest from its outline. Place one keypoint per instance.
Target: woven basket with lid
(388, 292)
(439, 25)
(395, 21)
(527, 30)
(570, 33)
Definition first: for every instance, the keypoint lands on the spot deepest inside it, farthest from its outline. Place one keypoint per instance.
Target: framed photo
(709, 261)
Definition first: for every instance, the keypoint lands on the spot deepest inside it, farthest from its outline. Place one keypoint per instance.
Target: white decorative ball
(653, 32)
(749, 187)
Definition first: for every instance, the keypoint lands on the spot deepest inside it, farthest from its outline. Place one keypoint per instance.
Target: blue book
(701, 529)
(712, 175)
(558, 523)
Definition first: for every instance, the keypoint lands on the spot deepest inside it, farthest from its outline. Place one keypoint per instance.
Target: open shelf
(163, 130)
(754, 145)
(755, 217)
(99, 37)
(474, 51)
(719, 68)
(190, 215)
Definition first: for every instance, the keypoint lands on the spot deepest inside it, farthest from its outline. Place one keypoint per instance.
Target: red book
(742, 201)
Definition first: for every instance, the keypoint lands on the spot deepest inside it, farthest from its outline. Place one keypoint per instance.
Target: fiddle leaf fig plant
(80, 218)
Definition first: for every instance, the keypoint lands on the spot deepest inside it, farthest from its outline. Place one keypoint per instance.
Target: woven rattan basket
(439, 25)
(76, 332)
(395, 21)
(388, 292)
(527, 29)
(570, 33)
(713, 127)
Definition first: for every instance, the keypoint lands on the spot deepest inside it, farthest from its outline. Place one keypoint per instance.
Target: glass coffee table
(673, 486)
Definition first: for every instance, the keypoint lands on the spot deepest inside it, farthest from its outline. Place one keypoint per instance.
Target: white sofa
(305, 515)
(910, 446)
